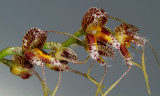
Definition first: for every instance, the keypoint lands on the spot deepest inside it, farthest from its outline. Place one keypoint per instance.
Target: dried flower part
(22, 67)
(37, 57)
(34, 38)
(129, 34)
(104, 49)
(94, 17)
(67, 54)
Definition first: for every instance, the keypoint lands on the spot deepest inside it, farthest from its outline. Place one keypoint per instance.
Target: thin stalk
(73, 40)
(42, 83)
(113, 85)
(145, 72)
(10, 51)
(136, 64)
(85, 75)
(55, 90)
(7, 62)
(51, 45)
(154, 52)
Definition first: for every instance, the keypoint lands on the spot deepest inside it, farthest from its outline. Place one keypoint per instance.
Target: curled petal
(67, 54)
(34, 38)
(22, 67)
(94, 17)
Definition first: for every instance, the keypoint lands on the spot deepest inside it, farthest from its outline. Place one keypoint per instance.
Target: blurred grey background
(17, 16)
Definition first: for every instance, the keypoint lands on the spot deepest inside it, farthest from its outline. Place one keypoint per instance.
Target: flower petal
(92, 44)
(125, 53)
(104, 49)
(37, 57)
(106, 36)
(129, 33)
(94, 17)
(126, 29)
(34, 38)
(138, 40)
(93, 49)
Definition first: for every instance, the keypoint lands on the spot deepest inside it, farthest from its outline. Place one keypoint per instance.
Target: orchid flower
(126, 34)
(93, 23)
(98, 38)
(32, 44)
(97, 35)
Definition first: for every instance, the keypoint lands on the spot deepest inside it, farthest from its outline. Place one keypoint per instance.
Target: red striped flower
(126, 34)
(98, 38)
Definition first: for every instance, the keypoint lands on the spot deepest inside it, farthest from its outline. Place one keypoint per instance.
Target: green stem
(10, 51)
(7, 62)
(51, 45)
(72, 40)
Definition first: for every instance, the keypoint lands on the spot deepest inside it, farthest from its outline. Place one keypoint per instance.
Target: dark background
(17, 16)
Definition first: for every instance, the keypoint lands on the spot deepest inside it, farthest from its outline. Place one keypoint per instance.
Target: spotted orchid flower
(93, 23)
(127, 34)
(32, 44)
(99, 40)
